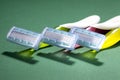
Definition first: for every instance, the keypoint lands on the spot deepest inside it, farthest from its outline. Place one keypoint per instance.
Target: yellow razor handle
(112, 37)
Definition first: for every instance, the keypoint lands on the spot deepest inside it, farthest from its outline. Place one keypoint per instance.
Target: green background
(35, 15)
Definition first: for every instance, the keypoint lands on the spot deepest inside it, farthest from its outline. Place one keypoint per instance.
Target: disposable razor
(108, 29)
(94, 19)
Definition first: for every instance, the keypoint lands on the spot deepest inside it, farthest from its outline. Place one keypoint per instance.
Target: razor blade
(59, 38)
(24, 37)
(89, 39)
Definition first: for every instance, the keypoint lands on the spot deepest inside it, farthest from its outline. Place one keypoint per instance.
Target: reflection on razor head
(24, 37)
(88, 38)
(59, 38)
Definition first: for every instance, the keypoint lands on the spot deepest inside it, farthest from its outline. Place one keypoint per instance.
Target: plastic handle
(109, 24)
(112, 37)
(94, 19)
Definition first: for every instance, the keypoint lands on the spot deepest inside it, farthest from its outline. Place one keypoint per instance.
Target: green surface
(37, 14)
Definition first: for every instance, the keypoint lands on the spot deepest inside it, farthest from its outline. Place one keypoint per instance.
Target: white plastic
(109, 24)
(94, 19)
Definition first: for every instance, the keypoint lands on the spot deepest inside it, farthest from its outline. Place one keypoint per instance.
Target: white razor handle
(94, 19)
(109, 24)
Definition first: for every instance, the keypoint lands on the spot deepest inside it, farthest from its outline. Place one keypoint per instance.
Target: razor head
(24, 37)
(59, 38)
(88, 38)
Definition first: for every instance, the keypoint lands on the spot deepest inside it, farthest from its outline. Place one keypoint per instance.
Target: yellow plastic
(26, 53)
(112, 37)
